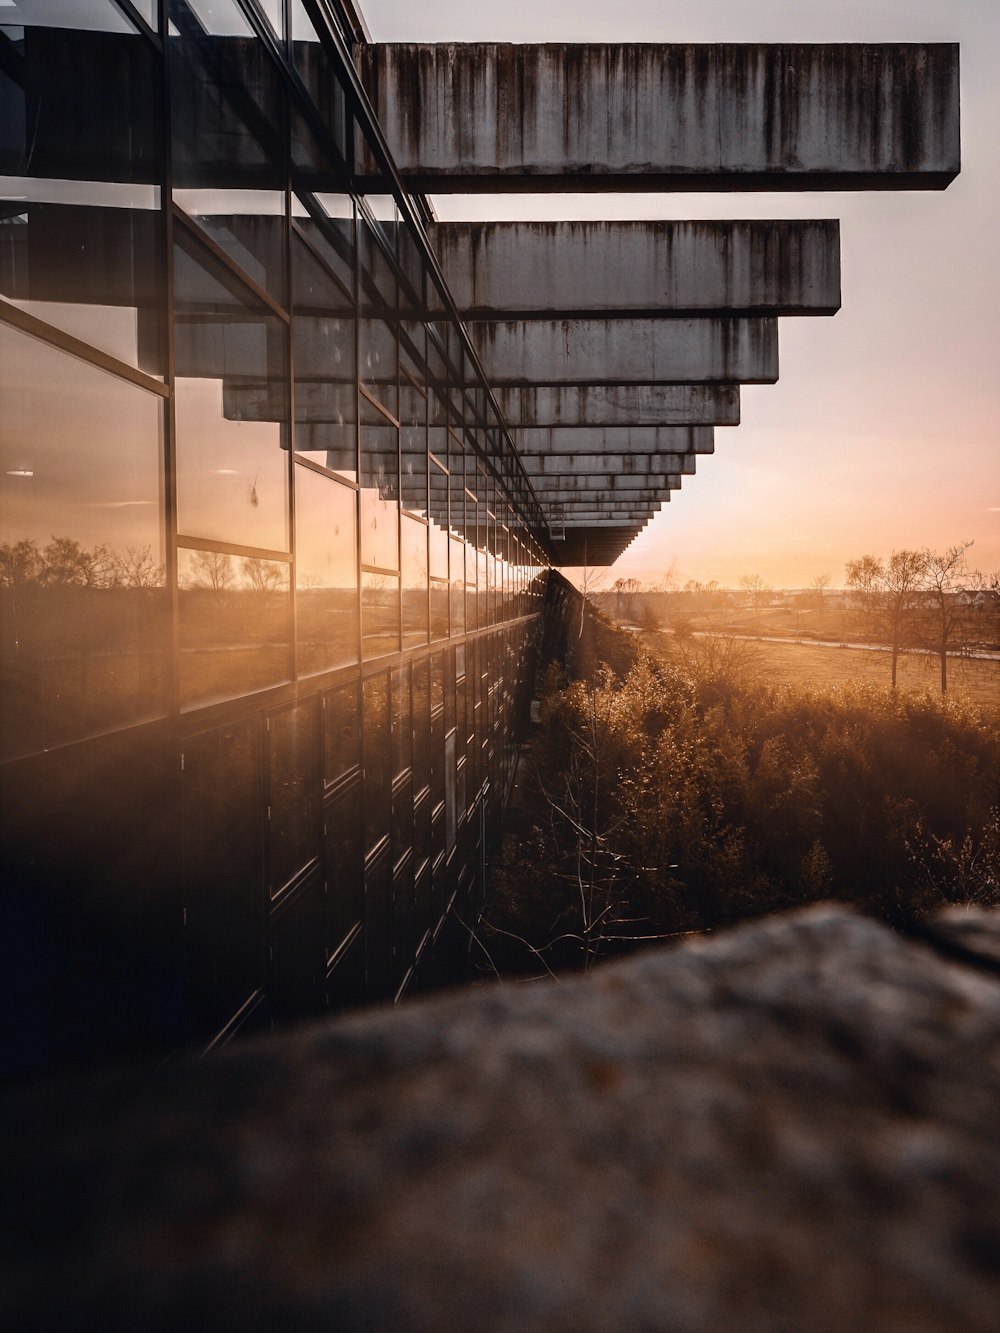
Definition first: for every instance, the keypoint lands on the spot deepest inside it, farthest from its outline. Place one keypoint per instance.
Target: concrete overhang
(572, 405)
(487, 116)
(540, 466)
(554, 270)
(547, 440)
(628, 351)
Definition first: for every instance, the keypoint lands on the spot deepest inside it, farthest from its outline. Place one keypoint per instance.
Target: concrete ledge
(463, 117)
(572, 406)
(787, 1126)
(545, 270)
(628, 351)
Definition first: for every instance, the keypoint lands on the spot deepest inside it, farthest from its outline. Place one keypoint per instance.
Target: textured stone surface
(788, 1126)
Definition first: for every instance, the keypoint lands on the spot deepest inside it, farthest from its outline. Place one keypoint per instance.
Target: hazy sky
(884, 428)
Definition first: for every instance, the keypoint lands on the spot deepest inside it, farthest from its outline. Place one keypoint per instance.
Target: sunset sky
(884, 428)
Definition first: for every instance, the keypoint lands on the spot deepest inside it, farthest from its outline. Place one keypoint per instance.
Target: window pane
(376, 722)
(379, 614)
(323, 345)
(293, 792)
(342, 740)
(85, 617)
(380, 496)
(231, 407)
(414, 562)
(326, 572)
(235, 625)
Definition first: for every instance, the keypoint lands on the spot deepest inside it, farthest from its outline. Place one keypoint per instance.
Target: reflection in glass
(235, 624)
(323, 344)
(341, 735)
(402, 724)
(231, 407)
(379, 496)
(414, 563)
(457, 587)
(325, 572)
(376, 749)
(249, 225)
(84, 629)
(377, 329)
(379, 614)
(292, 793)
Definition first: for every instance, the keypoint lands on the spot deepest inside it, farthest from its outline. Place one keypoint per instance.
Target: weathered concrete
(571, 405)
(787, 1126)
(628, 351)
(548, 440)
(493, 116)
(598, 490)
(546, 270)
(557, 465)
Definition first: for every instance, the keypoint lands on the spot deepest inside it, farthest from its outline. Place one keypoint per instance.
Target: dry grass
(820, 666)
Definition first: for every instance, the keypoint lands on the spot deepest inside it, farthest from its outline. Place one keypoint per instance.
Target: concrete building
(284, 460)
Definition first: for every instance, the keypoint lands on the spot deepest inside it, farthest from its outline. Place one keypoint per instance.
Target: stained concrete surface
(788, 1126)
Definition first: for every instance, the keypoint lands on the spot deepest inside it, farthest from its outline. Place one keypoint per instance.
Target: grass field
(819, 666)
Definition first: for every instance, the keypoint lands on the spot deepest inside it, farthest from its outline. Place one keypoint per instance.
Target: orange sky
(884, 428)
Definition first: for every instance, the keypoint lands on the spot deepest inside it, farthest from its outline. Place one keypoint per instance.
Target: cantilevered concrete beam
(548, 440)
(493, 116)
(572, 405)
(546, 270)
(541, 466)
(628, 351)
(609, 486)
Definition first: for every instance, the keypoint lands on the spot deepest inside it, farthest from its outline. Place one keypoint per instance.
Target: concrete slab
(547, 440)
(628, 351)
(539, 466)
(462, 117)
(544, 270)
(578, 406)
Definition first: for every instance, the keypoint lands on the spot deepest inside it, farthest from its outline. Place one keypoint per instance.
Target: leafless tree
(890, 593)
(819, 586)
(944, 575)
(212, 568)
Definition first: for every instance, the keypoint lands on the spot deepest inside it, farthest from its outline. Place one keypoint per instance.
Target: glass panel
(379, 614)
(402, 724)
(439, 609)
(80, 162)
(316, 71)
(376, 741)
(85, 616)
(249, 225)
(222, 873)
(235, 625)
(377, 296)
(231, 407)
(228, 112)
(323, 345)
(342, 740)
(457, 588)
(325, 571)
(421, 724)
(414, 562)
(293, 792)
(380, 496)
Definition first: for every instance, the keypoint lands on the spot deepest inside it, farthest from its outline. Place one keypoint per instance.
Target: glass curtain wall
(269, 570)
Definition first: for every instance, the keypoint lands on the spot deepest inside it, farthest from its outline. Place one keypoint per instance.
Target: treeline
(671, 801)
(65, 562)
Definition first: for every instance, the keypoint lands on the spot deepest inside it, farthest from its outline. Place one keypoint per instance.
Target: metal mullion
(380, 407)
(232, 268)
(290, 423)
(232, 548)
(170, 373)
(302, 461)
(133, 16)
(66, 342)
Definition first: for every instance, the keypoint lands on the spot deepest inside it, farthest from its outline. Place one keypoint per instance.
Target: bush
(684, 797)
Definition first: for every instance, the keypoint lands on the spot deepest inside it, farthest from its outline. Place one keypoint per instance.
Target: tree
(756, 589)
(818, 587)
(944, 573)
(212, 568)
(261, 575)
(890, 595)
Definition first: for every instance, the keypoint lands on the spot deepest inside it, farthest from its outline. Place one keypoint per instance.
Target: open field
(816, 665)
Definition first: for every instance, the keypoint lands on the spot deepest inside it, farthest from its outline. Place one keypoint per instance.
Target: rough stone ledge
(790, 1126)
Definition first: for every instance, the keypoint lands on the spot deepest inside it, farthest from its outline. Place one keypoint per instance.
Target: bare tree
(260, 575)
(944, 574)
(890, 593)
(212, 568)
(757, 590)
(819, 586)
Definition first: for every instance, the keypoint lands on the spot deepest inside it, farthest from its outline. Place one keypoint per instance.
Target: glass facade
(270, 574)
